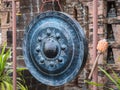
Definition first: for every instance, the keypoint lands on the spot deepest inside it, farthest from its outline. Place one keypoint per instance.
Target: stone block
(68, 1)
(25, 2)
(20, 63)
(4, 35)
(116, 33)
(100, 11)
(116, 53)
(28, 17)
(101, 30)
(19, 42)
(72, 88)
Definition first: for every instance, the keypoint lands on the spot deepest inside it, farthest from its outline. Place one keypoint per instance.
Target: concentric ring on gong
(54, 48)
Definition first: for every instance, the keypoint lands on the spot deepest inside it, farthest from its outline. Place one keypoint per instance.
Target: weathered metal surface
(54, 48)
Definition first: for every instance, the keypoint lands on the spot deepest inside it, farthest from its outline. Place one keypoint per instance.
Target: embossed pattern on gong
(54, 48)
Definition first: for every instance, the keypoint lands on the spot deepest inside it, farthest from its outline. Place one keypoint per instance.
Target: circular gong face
(54, 48)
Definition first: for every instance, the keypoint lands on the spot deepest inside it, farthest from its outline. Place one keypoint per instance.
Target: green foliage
(115, 79)
(93, 83)
(6, 71)
(97, 84)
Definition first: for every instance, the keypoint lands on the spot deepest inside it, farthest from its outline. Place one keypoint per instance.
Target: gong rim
(61, 74)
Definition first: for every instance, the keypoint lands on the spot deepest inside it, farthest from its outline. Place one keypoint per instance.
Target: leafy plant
(6, 71)
(115, 79)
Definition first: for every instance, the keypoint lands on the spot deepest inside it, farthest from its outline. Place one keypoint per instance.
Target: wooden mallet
(101, 47)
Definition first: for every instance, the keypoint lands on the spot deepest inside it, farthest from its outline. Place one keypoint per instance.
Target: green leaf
(117, 79)
(9, 71)
(8, 85)
(93, 83)
(3, 50)
(19, 70)
(97, 84)
(111, 89)
(2, 86)
(1, 58)
(5, 71)
(5, 58)
(108, 75)
(21, 87)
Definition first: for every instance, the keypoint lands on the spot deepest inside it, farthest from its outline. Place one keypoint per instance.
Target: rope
(53, 4)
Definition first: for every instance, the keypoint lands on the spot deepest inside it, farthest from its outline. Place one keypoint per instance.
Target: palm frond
(21, 87)
(8, 85)
(6, 72)
(2, 86)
